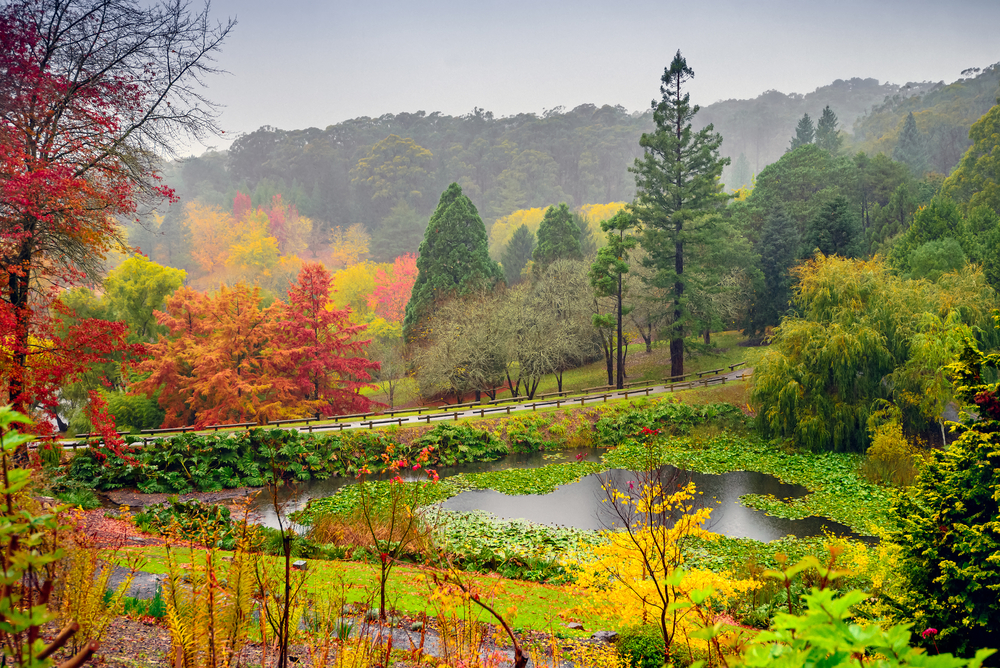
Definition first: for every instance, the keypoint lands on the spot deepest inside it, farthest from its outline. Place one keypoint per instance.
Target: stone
(300, 565)
(575, 626)
(605, 636)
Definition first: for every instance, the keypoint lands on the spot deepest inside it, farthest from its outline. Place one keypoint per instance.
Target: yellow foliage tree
(212, 233)
(347, 245)
(353, 285)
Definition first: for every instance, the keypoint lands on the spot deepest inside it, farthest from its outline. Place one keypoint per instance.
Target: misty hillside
(386, 173)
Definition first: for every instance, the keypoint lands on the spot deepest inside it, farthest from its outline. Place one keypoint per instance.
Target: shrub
(946, 525)
(641, 646)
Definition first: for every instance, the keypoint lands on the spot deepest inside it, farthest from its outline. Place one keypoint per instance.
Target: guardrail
(673, 383)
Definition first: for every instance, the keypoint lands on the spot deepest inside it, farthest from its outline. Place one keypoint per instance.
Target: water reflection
(579, 505)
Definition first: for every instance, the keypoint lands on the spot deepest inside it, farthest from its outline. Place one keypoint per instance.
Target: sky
(310, 63)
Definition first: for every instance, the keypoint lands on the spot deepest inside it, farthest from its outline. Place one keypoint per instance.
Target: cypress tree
(517, 254)
(453, 261)
(805, 132)
(678, 199)
(558, 238)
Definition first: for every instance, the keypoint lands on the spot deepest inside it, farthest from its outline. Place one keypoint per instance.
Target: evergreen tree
(453, 259)
(741, 176)
(779, 249)
(677, 199)
(517, 254)
(911, 147)
(835, 230)
(827, 135)
(805, 132)
(558, 238)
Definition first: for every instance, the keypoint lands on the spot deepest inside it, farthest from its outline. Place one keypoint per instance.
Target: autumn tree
(94, 91)
(319, 349)
(453, 259)
(678, 195)
(392, 289)
(226, 358)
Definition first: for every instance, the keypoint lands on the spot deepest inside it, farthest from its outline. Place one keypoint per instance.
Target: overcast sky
(305, 63)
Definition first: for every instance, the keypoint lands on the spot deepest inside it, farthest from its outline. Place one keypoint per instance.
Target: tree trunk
(707, 334)
(620, 380)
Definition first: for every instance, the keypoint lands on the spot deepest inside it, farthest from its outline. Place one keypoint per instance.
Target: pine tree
(454, 259)
(517, 254)
(741, 176)
(912, 147)
(827, 135)
(805, 132)
(677, 198)
(558, 238)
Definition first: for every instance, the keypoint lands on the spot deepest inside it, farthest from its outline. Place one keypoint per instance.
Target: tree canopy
(453, 261)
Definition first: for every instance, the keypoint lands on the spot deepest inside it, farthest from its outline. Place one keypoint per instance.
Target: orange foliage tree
(226, 359)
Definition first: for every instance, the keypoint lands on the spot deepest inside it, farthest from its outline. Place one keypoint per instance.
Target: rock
(605, 636)
(417, 626)
(300, 565)
(575, 626)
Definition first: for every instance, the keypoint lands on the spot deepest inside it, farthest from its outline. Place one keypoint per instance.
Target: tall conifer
(558, 238)
(453, 261)
(805, 131)
(678, 196)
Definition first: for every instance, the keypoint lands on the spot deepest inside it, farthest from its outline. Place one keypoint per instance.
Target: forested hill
(761, 129)
(386, 173)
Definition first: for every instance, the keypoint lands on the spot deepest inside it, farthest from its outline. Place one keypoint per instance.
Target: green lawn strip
(539, 607)
(837, 491)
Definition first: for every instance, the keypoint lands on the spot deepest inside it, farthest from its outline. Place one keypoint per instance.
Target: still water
(579, 504)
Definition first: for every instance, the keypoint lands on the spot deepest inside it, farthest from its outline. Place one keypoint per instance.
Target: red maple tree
(393, 288)
(91, 91)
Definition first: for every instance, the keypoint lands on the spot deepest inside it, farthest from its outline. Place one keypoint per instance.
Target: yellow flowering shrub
(638, 573)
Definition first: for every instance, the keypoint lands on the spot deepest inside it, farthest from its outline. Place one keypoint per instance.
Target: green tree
(805, 132)
(395, 170)
(454, 259)
(678, 196)
(835, 230)
(827, 135)
(607, 275)
(558, 238)
(741, 176)
(400, 233)
(517, 254)
(946, 525)
(778, 250)
(911, 147)
(136, 289)
(864, 336)
(976, 180)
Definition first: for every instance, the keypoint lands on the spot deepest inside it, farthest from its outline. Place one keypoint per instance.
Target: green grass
(539, 607)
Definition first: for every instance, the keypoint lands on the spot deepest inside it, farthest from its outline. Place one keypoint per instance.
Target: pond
(579, 504)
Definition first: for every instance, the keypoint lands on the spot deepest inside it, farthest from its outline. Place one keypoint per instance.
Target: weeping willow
(863, 337)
